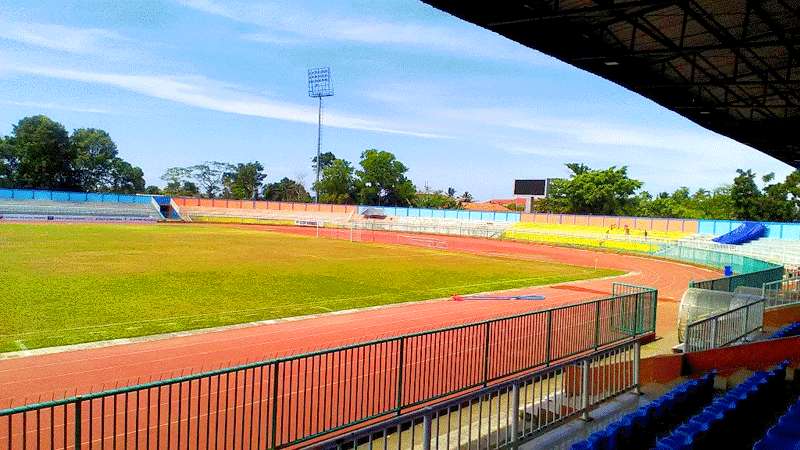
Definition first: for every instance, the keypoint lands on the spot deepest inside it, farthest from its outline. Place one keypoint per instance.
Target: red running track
(44, 377)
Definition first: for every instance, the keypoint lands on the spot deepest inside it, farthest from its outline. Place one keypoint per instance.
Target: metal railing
(753, 279)
(287, 401)
(782, 292)
(506, 414)
(725, 328)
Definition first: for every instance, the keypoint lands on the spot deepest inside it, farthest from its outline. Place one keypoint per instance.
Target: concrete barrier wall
(488, 216)
(261, 204)
(689, 226)
(775, 230)
(66, 196)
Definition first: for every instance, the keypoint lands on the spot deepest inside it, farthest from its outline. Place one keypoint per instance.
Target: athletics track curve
(45, 377)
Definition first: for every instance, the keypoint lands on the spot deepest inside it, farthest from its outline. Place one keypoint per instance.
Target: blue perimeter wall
(446, 213)
(63, 196)
(775, 230)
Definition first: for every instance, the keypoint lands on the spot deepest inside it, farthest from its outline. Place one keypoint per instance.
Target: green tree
(287, 190)
(152, 190)
(210, 176)
(587, 191)
(326, 159)
(97, 166)
(746, 197)
(179, 182)
(435, 200)
(95, 154)
(466, 197)
(778, 202)
(382, 180)
(8, 162)
(336, 183)
(125, 178)
(44, 158)
(244, 181)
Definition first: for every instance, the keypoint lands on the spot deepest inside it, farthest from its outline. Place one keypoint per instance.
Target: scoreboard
(530, 187)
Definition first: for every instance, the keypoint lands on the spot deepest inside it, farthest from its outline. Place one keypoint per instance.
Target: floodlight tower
(319, 85)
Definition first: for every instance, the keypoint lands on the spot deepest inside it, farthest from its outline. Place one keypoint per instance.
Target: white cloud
(47, 105)
(543, 150)
(58, 37)
(296, 25)
(209, 94)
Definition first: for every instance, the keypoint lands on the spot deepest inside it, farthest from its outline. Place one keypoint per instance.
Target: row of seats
(729, 418)
(639, 429)
(51, 208)
(784, 435)
(790, 330)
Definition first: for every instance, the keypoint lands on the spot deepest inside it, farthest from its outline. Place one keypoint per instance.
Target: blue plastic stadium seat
(790, 330)
(674, 442)
(639, 428)
(778, 439)
(718, 422)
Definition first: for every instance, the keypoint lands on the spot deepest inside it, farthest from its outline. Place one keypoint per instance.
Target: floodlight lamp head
(319, 82)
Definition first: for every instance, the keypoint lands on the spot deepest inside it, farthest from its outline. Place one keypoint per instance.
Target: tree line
(612, 191)
(40, 154)
(379, 179)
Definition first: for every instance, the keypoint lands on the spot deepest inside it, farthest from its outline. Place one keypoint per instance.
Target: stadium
(183, 322)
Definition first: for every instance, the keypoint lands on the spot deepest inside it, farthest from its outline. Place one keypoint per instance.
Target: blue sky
(178, 82)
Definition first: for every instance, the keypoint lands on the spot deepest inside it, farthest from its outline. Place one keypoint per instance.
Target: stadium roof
(732, 66)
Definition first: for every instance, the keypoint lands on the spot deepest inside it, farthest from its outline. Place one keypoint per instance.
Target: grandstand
(29, 205)
(779, 251)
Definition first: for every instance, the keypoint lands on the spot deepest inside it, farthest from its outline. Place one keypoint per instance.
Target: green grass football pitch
(65, 284)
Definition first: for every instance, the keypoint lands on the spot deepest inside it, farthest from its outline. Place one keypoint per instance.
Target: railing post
(585, 390)
(548, 336)
(486, 355)
(637, 353)
(274, 437)
(426, 431)
(597, 325)
(515, 416)
(714, 333)
(78, 400)
(747, 320)
(400, 364)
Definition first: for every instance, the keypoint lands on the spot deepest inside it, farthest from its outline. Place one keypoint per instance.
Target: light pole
(319, 85)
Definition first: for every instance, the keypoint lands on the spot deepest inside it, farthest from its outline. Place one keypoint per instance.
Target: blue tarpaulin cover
(744, 233)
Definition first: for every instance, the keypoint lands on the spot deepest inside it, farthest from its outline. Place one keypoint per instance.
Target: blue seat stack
(790, 330)
(639, 429)
(744, 233)
(727, 418)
